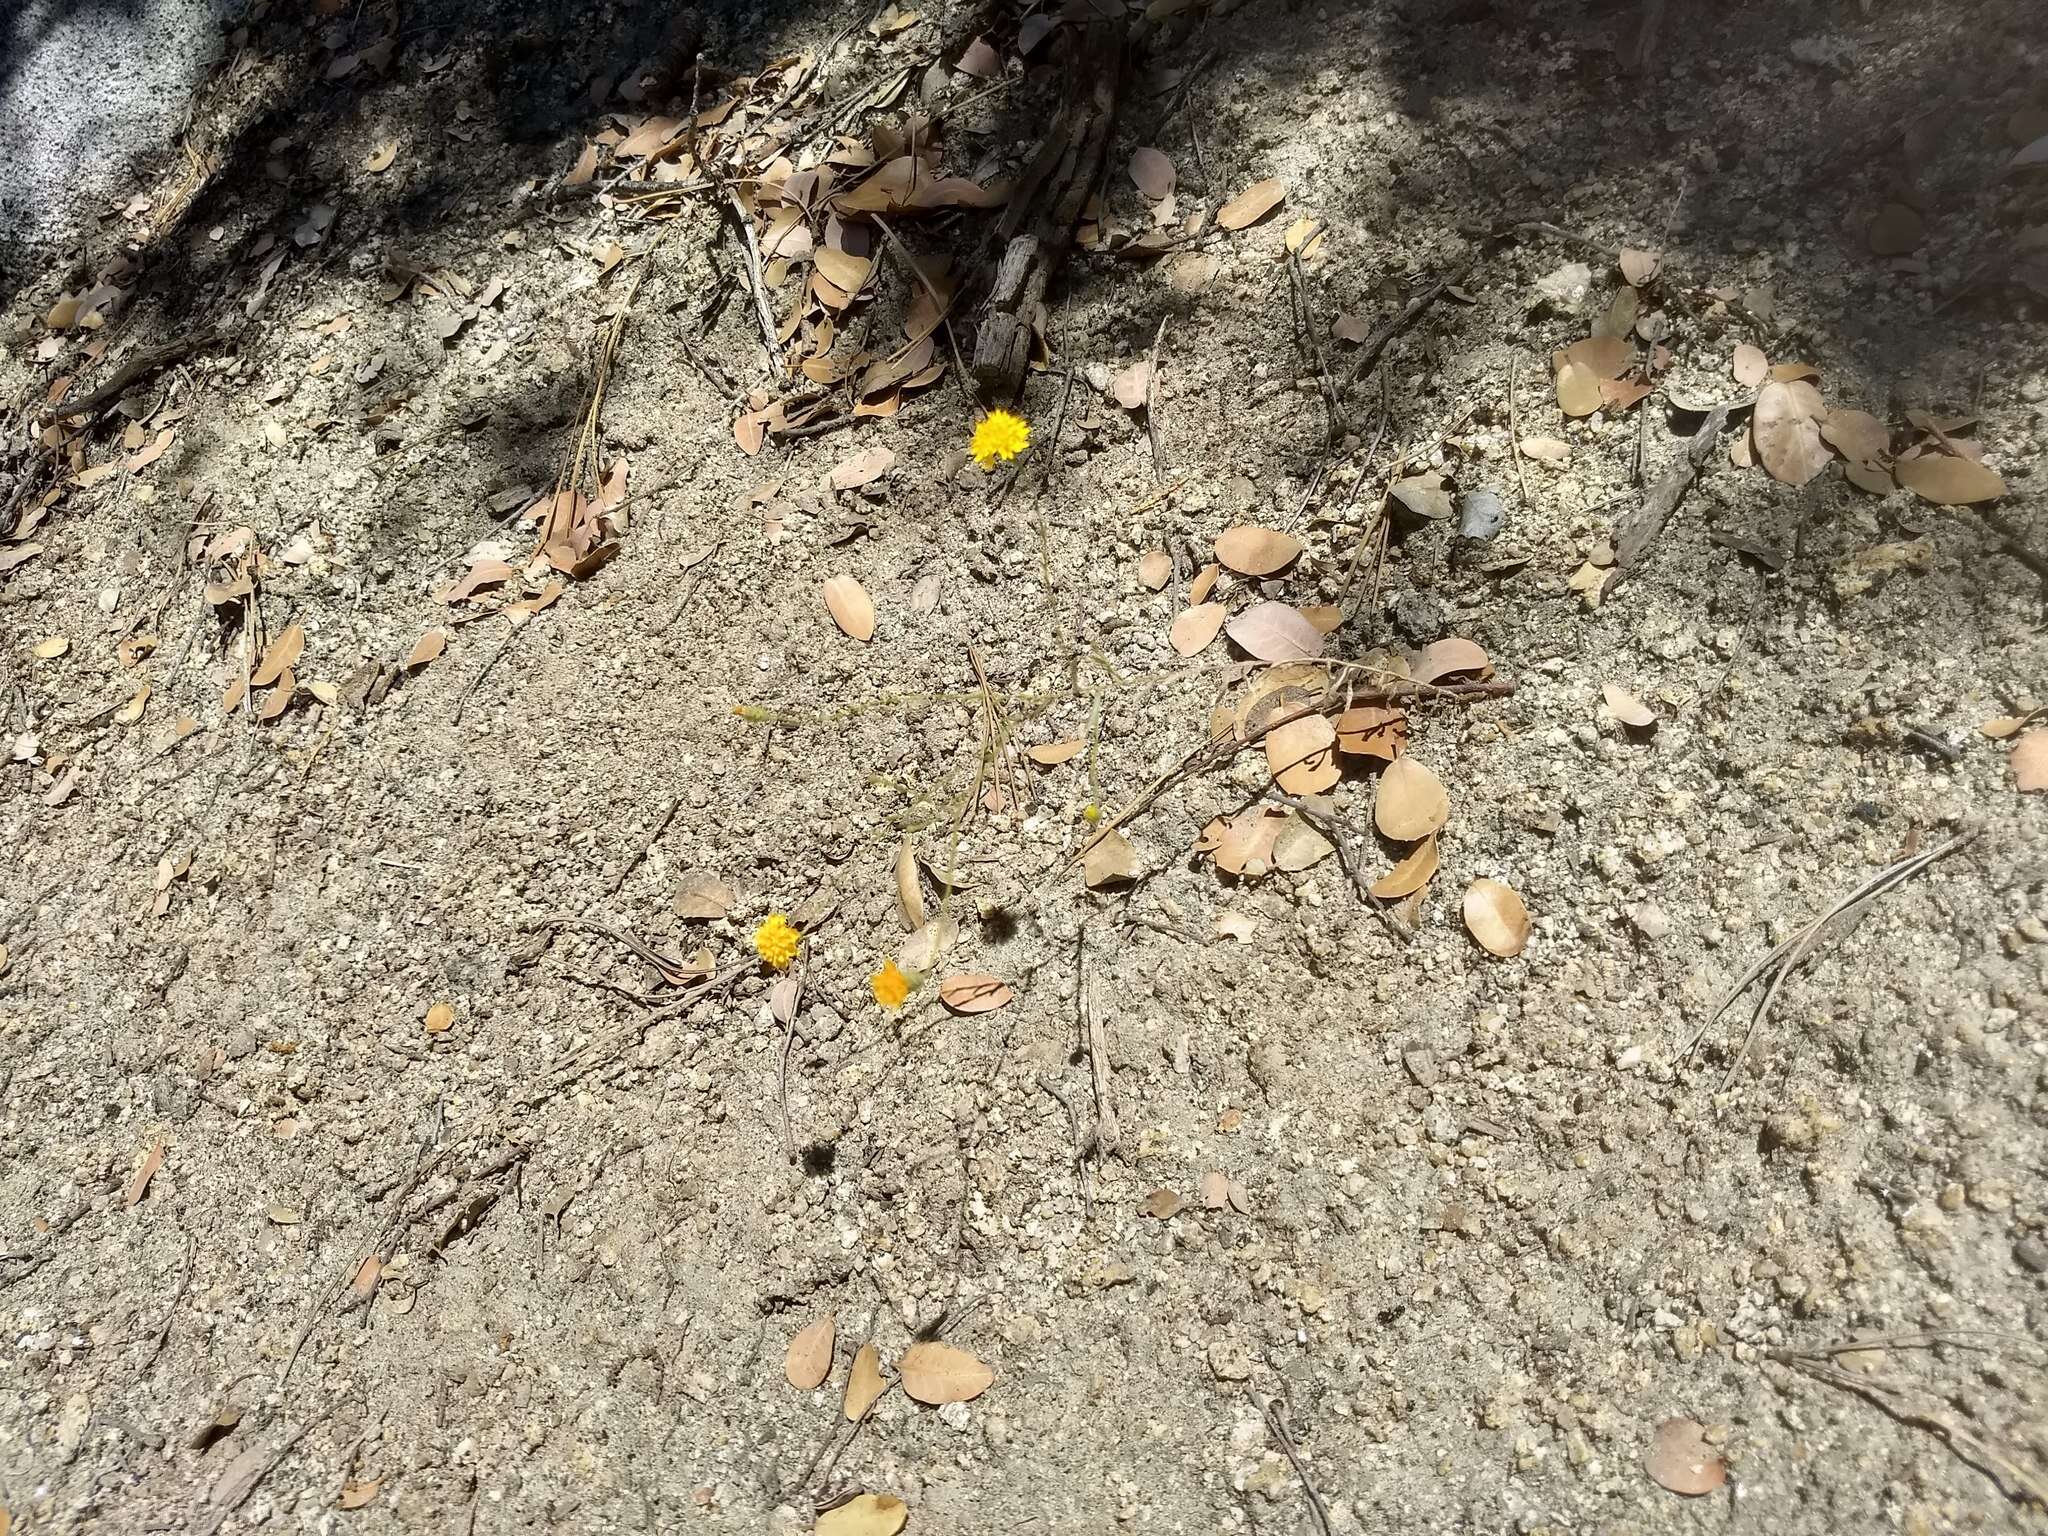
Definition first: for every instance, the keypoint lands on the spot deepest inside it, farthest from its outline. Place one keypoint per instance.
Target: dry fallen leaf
(1495, 916)
(1194, 628)
(1949, 482)
(354, 1495)
(379, 159)
(1205, 579)
(1449, 656)
(1152, 174)
(809, 1360)
(1785, 431)
(1411, 802)
(440, 1018)
(851, 607)
(864, 1382)
(1245, 844)
(1680, 1459)
(1627, 708)
(1053, 753)
(1254, 551)
(425, 649)
(279, 656)
(1300, 846)
(2030, 762)
(131, 712)
(1109, 858)
(865, 1514)
(1301, 754)
(939, 1373)
(1132, 387)
(1252, 204)
(1857, 435)
(970, 993)
(862, 469)
(1410, 875)
(142, 1175)
(1998, 727)
(1749, 365)
(1369, 730)
(1275, 632)
(1155, 569)
(1162, 1203)
(1547, 450)
(702, 897)
(50, 649)
(1638, 267)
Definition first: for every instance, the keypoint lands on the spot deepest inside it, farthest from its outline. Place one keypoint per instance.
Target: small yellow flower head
(776, 942)
(891, 986)
(999, 435)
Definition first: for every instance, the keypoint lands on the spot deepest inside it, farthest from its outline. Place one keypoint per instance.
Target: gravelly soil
(1491, 1226)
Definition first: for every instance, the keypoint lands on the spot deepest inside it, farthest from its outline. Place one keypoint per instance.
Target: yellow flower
(776, 942)
(891, 986)
(999, 435)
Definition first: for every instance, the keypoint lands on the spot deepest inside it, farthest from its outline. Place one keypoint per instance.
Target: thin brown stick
(943, 306)
(1152, 404)
(1515, 429)
(756, 284)
(148, 363)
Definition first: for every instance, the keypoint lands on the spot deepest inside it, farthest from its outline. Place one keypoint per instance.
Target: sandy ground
(376, 1161)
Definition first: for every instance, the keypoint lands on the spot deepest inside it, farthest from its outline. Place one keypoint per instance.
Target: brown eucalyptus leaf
(702, 897)
(1785, 431)
(1155, 569)
(1857, 435)
(425, 649)
(939, 1373)
(1275, 632)
(279, 656)
(1194, 628)
(1252, 551)
(1638, 267)
(1680, 1459)
(1301, 754)
(851, 607)
(1246, 845)
(809, 1360)
(2029, 761)
(864, 1382)
(1205, 580)
(909, 887)
(1300, 846)
(1252, 204)
(1446, 657)
(1495, 916)
(1108, 859)
(972, 993)
(1949, 482)
(1411, 874)
(1372, 730)
(1552, 451)
(1750, 366)
(865, 1514)
(1411, 802)
(862, 469)
(1152, 173)
(1052, 753)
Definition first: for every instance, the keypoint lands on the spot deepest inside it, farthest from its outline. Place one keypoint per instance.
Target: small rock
(2032, 1254)
(1566, 286)
(1266, 1062)
(955, 1415)
(1480, 515)
(1230, 1361)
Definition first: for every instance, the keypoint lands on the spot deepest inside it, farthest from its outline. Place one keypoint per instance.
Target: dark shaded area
(1722, 140)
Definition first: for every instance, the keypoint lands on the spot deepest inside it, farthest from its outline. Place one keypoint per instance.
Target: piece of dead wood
(1407, 315)
(1037, 226)
(133, 372)
(1643, 525)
